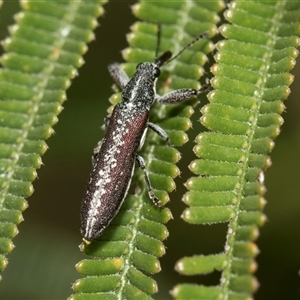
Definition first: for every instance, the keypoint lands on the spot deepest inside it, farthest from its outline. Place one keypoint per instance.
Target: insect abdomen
(112, 171)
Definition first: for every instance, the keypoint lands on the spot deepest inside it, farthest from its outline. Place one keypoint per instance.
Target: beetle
(115, 156)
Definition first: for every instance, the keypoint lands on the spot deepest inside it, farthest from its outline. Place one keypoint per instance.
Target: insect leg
(95, 152)
(106, 122)
(159, 131)
(98, 146)
(180, 95)
(142, 165)
(119, 76)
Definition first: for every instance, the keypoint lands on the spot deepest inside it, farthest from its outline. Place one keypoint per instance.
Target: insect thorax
(140, 90)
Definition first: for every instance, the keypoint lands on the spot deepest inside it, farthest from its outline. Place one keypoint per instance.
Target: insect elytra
(115, 156)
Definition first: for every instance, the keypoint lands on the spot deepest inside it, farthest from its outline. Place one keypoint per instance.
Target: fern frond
(135, 236)
(45, 48)
(251, 81)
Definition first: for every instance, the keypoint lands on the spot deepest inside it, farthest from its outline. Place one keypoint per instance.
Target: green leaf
(200, 264)
(139, 243)
(193, 291)
(243, 117)
(41, 56)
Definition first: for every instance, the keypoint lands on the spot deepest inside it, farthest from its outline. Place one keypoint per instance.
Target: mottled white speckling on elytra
(114, 157)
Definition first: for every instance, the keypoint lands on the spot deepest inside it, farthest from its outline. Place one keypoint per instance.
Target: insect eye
(156, 72)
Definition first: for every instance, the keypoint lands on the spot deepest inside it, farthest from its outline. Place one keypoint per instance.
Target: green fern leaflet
(45, 48)
(134, 238)
(251, 81)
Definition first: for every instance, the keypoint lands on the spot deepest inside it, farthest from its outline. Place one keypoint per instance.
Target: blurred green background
(42, 265)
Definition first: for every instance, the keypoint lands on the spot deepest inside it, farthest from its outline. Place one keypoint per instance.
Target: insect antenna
(158, 40)
(199, 37)
(166, 57)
